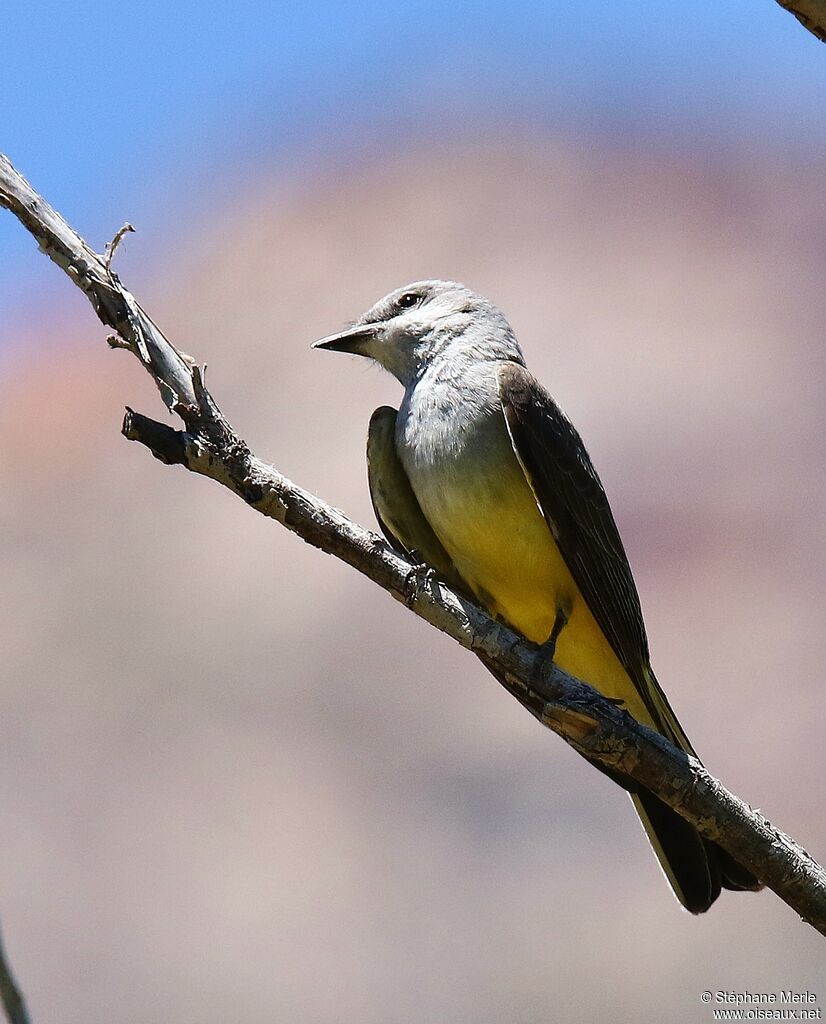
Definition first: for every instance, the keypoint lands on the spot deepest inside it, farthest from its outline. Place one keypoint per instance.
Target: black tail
(695, 867)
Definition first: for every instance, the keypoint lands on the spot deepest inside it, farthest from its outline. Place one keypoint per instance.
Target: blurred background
(238, 782)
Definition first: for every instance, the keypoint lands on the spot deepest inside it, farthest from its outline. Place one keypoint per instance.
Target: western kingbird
(481, 474)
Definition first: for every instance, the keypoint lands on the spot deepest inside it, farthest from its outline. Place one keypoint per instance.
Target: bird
(481, 476)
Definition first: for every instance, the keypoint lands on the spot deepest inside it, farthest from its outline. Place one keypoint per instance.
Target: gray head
(413, 326)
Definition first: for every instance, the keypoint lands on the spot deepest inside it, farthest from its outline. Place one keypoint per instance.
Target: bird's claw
(419, 576)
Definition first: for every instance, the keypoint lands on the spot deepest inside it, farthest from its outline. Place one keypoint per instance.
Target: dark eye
(407, 300)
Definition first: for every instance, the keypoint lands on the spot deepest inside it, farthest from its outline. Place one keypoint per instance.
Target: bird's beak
(355, 339)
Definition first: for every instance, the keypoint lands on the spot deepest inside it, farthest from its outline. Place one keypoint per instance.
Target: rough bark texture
(590, 723)
(810, 13)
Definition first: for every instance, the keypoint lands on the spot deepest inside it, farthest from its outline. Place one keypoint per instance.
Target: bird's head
(409, 328)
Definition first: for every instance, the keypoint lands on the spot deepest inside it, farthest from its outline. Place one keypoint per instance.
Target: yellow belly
(505, 551)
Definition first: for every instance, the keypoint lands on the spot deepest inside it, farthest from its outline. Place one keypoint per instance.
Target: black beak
(354, 340)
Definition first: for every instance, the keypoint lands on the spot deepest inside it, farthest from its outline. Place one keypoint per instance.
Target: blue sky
(115, 110)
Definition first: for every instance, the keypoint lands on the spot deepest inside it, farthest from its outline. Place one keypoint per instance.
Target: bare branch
(592, 724)
(810, 13)
(114, 305)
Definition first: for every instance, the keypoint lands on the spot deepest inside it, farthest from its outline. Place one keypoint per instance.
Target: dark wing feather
(572, 499)
(573, 502)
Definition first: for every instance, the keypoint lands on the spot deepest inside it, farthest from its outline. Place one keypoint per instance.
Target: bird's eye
(408, 300)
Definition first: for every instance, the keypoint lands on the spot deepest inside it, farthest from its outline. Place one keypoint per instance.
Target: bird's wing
(396, 506)
(572, 500)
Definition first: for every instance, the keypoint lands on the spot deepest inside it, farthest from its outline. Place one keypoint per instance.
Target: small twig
(112, 246)
(12, 997)
(114, 305)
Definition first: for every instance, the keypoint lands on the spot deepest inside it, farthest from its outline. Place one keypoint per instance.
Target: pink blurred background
(238, 782)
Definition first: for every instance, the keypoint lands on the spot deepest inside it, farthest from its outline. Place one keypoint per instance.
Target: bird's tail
(696, 868)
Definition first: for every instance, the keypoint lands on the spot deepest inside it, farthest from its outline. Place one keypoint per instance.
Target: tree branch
(810, 13)
(586, 720)
(10, 994)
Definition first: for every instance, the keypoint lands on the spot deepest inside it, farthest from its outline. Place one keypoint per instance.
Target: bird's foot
(548, 649)
(420, 576)
(418, 559)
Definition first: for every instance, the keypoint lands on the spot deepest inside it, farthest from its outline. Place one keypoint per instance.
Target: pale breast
(455, 448)
(474, 494)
